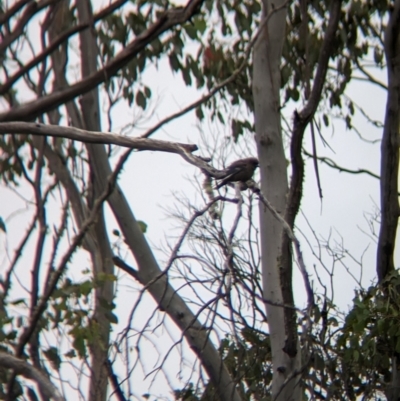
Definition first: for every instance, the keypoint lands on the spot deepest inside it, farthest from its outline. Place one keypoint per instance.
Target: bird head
(253, 161)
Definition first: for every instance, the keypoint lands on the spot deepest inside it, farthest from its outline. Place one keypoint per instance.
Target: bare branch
(12, 11)
(302, 118)
(76, 241)
(334, 165)
(32, 8)
(369, 76)
(93, 137)
(27, 370)
(323, 61)
(295, 241)
(114, 381)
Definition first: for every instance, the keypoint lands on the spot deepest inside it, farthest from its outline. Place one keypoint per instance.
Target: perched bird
(240, 170)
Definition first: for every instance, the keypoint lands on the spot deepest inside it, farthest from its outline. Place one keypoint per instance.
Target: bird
(239, 171)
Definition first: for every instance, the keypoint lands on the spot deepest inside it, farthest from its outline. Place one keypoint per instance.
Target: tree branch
(33, 8)
(301, 120)
(28, 371)
(93, 137)
(222, 84)
(296, 244)
(390, 150)
(12, 11)
(166, 21)
(55, 43)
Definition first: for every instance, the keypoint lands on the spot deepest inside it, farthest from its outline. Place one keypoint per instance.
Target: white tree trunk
(274, 184)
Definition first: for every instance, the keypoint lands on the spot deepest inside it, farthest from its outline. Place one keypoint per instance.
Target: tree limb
(55, 44)
(93, 137)
(390, 150)
(166, 21)
(27, 370)
(33, 8)
(301, 120)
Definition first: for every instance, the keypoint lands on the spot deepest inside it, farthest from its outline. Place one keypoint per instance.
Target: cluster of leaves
(10, 327)
(116, 30)
(354, 359)
(10, 164)
(202, 56)
(71, 307)
(248, 359)
(359, 36)
(350, 361)
(217, 53)
(370, 338)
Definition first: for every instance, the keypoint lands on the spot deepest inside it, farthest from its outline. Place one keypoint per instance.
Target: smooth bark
(274, 184)
(102, 258)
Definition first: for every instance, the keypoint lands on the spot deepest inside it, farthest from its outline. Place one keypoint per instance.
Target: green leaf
(141, 100)
(147, 92)
(112, 317)
(70, 354)
(53, 357)
(86, 287)
(199, 113)
(142, 226)
(378, 55)
(191, 31)
(295, 95)
(18, 301)
(79, 345)
(174, 62)
(348, 122)
(186, 76)
(103, 277)
(351, 108)
(142, 63)
(2, 225)
(200, 25)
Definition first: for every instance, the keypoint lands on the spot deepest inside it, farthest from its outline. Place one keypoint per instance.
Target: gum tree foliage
(227, 288)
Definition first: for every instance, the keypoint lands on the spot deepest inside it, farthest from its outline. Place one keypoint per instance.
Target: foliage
(248, 360)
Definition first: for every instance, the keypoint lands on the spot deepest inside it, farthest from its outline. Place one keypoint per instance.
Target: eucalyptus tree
(256, 64)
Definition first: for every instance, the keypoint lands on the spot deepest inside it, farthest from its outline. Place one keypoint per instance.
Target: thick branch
(27, 370)
(102, 256)
(323, 61)
(183, 149)
(390, 150)
(93, 137)
(301, 120)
